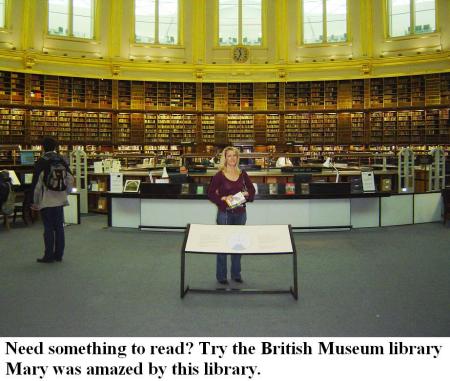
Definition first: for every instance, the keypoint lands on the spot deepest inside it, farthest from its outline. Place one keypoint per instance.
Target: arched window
(71, 18)
(324, 21)
(240, 22)
(2, 14)
(156, 21)
(409, 17)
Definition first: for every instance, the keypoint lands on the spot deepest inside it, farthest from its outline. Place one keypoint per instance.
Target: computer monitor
(27, 157)
(178, 178)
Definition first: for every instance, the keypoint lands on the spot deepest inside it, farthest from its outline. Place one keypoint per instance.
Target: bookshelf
(163, 92)
(317, 95)
(51, 90)
(150, 128)
(389, 126)
(417, 126)
(151, 95)
(358, 93)
(105, 93)
(404, 91)
(391, 110)
(357, 127)
(376, 127)
(37, 89)
(330, 95)
(273, 96)
(376, 92)
(445, 89)
(79, 92)
(189, 128)
(208, 122)
(246, 96)
(260, 96)
(273, 130)
(12, 125)
(92, 93)
(51, 123)
(124, 95)
(91, 129)
(37, 123)
(189, 96)
(207, 96)
(17, 88)
(78, 128)
(344, 94)
(240, 128)
(317, 128)
(121, 134)
(65, 92)
(291, 95)
(137, 90)
(330, 128)
(417, 91)
(176, 96)
(105, 126)
(432, 124)
(5, 87)
(390, 92)
(136, 128)
(234, 97)
(404, 127)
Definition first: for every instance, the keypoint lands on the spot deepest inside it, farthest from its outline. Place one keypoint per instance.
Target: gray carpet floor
(122, 282)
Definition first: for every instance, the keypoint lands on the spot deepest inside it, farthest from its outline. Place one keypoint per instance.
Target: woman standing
(228, 181)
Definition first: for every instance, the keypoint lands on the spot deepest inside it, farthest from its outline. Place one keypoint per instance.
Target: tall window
(71, 18)
(156, 21)
(408, 17)
(324, 21)
(240, 22)
(2, 13)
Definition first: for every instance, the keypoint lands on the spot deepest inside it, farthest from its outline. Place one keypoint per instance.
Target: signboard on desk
(368, 181)
(116, 182)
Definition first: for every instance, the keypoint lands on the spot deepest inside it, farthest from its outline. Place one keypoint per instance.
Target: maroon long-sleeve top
(221, 187)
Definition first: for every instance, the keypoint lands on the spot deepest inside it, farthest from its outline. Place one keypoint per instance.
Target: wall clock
(240, 54)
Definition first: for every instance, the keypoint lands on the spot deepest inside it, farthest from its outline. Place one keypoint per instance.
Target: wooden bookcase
(208, 123)
(391, 110)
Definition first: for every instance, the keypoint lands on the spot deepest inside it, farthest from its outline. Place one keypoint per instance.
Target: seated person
(5, 186)
(283, 161)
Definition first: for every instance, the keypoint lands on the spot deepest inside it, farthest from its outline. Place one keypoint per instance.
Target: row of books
(263, 189)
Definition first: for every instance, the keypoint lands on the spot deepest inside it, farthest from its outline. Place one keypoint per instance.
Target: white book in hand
(236, 200)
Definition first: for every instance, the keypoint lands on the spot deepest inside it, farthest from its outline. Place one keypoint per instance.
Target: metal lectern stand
(436, 178)
(78, 165)
(405, 170)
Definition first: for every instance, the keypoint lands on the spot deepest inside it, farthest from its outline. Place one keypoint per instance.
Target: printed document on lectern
(237, 239)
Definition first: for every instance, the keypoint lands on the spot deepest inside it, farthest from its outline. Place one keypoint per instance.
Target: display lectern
(239, 239)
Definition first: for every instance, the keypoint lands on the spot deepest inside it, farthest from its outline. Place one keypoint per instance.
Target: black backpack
(55, 178)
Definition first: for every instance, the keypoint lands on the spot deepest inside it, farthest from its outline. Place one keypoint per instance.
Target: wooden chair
(446, 204)
(22, 208)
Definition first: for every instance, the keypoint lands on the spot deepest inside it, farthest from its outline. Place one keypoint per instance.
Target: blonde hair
(222, 163)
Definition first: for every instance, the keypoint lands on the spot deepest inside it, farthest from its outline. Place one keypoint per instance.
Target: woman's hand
(225, 198)
(246, 194)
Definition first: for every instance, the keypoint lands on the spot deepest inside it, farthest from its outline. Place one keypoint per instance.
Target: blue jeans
(53, 220)
(229, 218)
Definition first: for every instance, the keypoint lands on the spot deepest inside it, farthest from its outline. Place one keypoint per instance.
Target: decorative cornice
(41, 63)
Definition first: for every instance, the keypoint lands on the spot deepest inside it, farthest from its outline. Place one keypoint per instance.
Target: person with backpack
(7, 194)
(52, 182)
